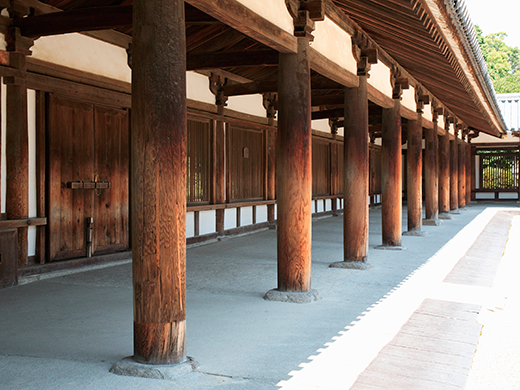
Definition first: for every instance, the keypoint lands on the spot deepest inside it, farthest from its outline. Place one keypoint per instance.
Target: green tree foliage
(503, 61)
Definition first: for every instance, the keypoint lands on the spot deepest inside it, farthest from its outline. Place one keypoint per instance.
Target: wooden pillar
(444, 174)
(269, 100)
(431, 184)
(158, 189)
(454, 174)
(469, 172)
(355, 177)
(462, 173)
(391, 176)
(294, 173)
(414, 176)
(17, 140)
(218, 193)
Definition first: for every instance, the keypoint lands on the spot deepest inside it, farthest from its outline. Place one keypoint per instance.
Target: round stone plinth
(390, 247)
(432, 222)
(361, 265)
(445, 216)
(455, 212)
(415, 233)
(293, 296)
(129, 367)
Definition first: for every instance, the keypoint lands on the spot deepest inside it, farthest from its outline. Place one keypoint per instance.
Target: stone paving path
(434, 349)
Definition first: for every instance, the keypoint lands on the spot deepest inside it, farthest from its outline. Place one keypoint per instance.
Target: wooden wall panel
(320, 167)
(245, 165)
(198, 189)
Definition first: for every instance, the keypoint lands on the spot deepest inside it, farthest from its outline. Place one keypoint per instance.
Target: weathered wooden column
(431, 186)
(462, 172)
(414, 173)
(294, 176)
(218, 191)
(269, 102)
(17, 140)
(158, 190)
(391, 171)
(469, 172)
(356, 171)
(444, 172)
(454, 175)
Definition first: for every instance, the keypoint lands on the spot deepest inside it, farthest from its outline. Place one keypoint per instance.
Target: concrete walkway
(66, 332)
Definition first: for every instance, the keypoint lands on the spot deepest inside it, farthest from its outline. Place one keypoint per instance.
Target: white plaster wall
(3, 43)
(273, 10)
(485, 195)
(261, 214)
(321, 125)
(508, 195)
(320, 206)
(230, 218)
(3, 104)
(207, 222)
(31, 116)
(248, 104)
(380, 79)
(81, 52)
(190, 224)
(428, 113)
(341, 131)
(378, 141)
(197, 88)
(440, 121)
(328, 204)
(335, 44)
(408, 99)
(313, 210)
(485, 138)
(246, 216)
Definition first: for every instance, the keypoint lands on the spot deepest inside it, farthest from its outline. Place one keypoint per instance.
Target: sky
(497, 16)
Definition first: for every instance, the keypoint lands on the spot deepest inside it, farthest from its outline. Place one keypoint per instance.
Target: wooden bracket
(364, 53)
(216, 83)
(269, 101)
(421, 99)
(17, 43)
(12, 80)
(335, 124)
(304, 14)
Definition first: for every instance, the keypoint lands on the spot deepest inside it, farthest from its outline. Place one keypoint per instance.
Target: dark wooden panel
(70, 158)
(320, 167)
(198, 187)
(111, 229)
(8, 257)
(245, 168)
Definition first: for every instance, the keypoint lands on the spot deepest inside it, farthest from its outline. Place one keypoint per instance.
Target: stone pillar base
(129, 367)
(361, 265)
(390, 247)
(293, 296)
(445, 216)
(415, 233)
(455, 211)
(432, 222)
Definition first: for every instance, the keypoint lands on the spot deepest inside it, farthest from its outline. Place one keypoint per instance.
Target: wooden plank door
(88, 144)
(70, 158)
(111, 208)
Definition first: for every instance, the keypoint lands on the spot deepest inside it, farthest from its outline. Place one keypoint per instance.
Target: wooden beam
(232, 59)
(243, 19)
(83, 19)
(272, 86)
(325, 114)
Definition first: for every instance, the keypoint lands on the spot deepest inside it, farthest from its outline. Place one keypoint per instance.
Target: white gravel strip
(496, 364)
